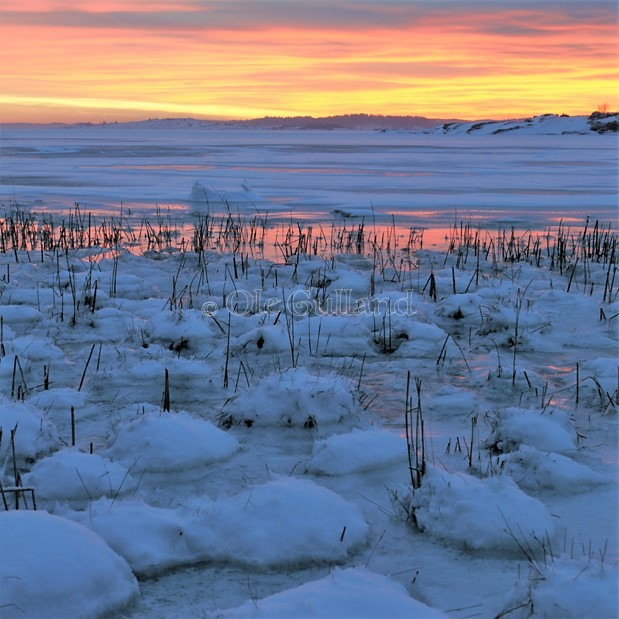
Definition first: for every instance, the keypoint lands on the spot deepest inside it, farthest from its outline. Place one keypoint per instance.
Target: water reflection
(161, 166)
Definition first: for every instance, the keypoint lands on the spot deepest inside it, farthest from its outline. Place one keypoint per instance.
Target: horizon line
(295, 117)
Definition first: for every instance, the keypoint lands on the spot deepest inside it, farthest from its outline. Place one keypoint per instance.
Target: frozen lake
(423, 180)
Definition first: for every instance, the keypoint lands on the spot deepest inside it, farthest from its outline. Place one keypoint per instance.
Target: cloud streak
(323, 14)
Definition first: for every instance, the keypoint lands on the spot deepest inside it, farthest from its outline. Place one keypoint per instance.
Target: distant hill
(366, 122)
(545, 124)
(346, 121)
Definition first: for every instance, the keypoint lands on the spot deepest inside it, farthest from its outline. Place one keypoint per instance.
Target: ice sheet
(529, 180)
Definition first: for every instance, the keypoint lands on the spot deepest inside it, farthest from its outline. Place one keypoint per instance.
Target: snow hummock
(52, 567)
(566, 587)
(515, 426)
(180, 330)
(286, 521)
(174, 441)
(74, 476)
(294, 397)
(59, 400)
(353, 593)
(283, 523)
(357, 452)
(536, 470)
(34, 436)
(150, 538)
(478, 513)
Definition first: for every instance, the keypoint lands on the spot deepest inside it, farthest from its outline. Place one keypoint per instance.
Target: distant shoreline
(552, 124)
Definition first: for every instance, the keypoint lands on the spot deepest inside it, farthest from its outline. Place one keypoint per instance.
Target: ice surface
(516, 177)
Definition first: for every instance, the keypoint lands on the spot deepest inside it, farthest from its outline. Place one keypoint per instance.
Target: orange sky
(94, 60)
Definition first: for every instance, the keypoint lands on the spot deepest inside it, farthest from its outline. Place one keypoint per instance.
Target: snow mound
(284, 522)
(567, 588)
(459, 306)
(206, 194)
(21, 318)
(59, 400)
(281, 523)
(52, 567)
(514, 426)
(73, 476)
(265, 339)
(478, 513)
(113, 325)
(357, 452)
(160, 443)
(150, 538)
(178, 331)
(416, 340)
(534, 470)
(37, 348)
(127, 286)
(353, 593)
(293, 398)
(35, 435)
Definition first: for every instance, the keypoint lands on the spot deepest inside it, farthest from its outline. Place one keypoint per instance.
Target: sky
(75, 61)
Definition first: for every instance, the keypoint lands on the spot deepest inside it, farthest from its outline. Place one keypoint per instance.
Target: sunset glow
(77, 61)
